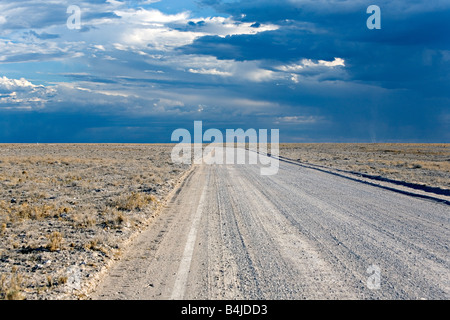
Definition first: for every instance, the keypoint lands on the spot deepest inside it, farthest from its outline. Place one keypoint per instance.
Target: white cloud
(157, 38)
(299, 119)
(148, 33)
(213, 71)
(209, 65)
(291, 68)
(22, 94)
(13, 84)
(16, 51)
(321, 69)
(99, 47)
(336, 62)
(259, 75)
(308, 63)
(223, 27)
(150, 17)
(141, 28)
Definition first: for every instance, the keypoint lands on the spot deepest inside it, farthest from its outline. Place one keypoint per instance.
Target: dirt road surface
(231, 233)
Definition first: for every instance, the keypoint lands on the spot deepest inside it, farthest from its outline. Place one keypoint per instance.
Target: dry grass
(426, 164)
(134, 201)
(55, 241)
(11, 286)
(24, 211)
(64, 206)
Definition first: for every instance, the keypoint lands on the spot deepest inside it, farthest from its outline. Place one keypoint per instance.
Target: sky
(134, 71)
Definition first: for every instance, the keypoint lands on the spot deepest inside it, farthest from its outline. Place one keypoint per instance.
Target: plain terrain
(72, 213)
(423, 164)
(73, 207)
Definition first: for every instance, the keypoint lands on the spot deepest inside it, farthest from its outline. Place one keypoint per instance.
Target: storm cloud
(135, 71)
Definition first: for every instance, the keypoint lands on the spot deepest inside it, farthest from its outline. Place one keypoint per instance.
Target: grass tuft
(12, 289)
(55, 241)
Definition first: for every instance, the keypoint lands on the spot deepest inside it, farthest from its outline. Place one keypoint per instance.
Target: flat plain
(67, 211)
(421, 164)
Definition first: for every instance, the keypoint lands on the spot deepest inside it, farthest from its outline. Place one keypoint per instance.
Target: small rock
(38, 266)
(13, 200)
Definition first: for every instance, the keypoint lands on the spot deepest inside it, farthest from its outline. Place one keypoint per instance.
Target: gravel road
(230, 233)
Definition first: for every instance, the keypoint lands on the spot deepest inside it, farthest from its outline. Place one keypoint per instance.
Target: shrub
(55, 241)
(134, 201)
(11, 290)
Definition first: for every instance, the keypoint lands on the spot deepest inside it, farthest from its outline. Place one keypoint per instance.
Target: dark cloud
(394, 86)
(410, 51)
(284, 45)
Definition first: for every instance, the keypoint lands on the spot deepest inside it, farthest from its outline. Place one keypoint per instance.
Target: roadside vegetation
(73, 206)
